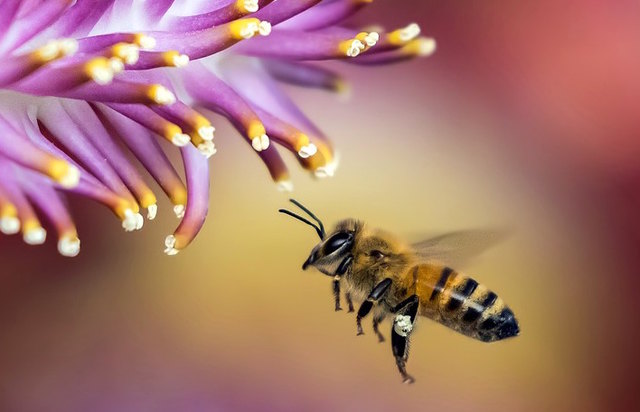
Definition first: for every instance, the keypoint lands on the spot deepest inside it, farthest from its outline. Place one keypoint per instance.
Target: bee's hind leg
(401, 330)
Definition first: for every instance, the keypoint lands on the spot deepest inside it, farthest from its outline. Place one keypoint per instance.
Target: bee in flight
(385, 275)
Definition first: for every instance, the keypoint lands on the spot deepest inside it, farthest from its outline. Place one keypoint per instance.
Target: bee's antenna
(319, 230)
(301, 206)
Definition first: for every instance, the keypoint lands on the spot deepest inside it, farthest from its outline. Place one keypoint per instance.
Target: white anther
(427, 46)
(410, 32)
(180, 60)
(251, 6)
(180, 139)
(307, 151)
(178, 210)
(69, 246)
(152, 211)
(9, 225)
(116, 65)
(50, 50)
(206, 132)
(260, 143)
(372, 38)
(402, 325)
(68, 47)
(285, 186)
(164, 96)
(264, 28)
(355, 48)
(147, 42)
(102, 75)
(130, 53)
(139, 221)
(207, 148)
(169, 243)
(35, 236)
(129, 223)
(249, 30)
(71, 178)
(327, 170)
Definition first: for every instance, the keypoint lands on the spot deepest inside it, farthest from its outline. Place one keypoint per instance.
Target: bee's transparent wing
(457, 248)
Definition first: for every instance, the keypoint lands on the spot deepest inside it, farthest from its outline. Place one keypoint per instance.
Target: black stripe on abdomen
(474, 312)
(444, 276)
(458, 297)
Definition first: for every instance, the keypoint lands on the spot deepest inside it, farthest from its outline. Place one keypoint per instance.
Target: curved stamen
(197, 173)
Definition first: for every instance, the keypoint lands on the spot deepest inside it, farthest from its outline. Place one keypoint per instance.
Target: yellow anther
(244, 28)
(63, 172)
(422, 46)
(161, 95)
(99, 70)
(255, 129)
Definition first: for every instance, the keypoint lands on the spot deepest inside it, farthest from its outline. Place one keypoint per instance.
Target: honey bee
(390, 277)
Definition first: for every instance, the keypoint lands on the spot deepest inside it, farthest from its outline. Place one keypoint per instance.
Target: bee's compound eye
(376, 254)
(336, 241)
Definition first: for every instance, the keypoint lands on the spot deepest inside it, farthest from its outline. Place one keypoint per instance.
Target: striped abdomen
(464, 305)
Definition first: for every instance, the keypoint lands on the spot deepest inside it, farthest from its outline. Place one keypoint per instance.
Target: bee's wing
(457, 248)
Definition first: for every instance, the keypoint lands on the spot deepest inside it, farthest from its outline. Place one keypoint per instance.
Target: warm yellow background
(234, 323)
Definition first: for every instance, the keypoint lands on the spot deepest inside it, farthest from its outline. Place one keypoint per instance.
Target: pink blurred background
(526, 116)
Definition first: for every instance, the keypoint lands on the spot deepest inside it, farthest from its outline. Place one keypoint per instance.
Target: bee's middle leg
(377, 319)
(376, 294)
(349, 301)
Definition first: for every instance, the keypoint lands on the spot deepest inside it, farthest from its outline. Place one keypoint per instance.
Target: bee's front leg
(376, 294)
(342, 269)
(401, 330)
(336, 292)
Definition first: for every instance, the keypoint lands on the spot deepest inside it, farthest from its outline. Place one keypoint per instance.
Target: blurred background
(526, 117)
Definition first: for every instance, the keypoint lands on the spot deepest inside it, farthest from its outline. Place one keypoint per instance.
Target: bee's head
(334, 252)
